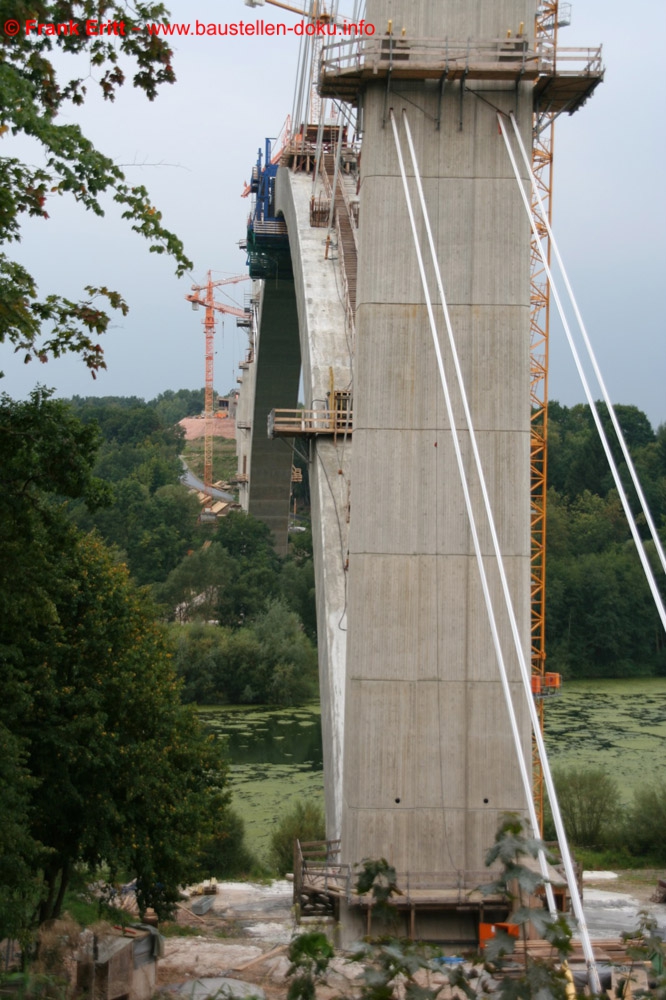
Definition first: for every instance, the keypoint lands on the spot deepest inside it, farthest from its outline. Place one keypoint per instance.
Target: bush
(304, 822)
(224, 854)
(645, 828)
(590, 806)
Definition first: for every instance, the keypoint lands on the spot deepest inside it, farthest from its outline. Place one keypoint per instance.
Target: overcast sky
(195, 145)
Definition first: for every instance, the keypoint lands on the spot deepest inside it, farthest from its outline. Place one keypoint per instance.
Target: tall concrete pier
(429, 761)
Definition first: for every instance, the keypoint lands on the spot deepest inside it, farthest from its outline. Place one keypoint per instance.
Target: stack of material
(659, 895)
(609, 951)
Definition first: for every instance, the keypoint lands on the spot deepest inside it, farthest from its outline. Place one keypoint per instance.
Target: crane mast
(550, 15)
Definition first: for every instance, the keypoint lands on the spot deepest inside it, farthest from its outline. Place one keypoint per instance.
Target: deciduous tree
(100, 759)
(33, 93)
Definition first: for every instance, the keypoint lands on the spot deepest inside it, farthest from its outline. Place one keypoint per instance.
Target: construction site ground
(245, 934)
(195, 427)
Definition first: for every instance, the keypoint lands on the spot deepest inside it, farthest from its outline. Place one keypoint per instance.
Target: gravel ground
(245, 934)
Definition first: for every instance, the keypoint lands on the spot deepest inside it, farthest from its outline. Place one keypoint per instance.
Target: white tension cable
(647, 569)
(597, 371)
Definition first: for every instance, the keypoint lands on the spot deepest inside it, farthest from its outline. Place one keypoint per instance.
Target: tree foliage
(124, 771)
(100, 760)
(173, 406)
(589, 801)
(600, 615)
(151, 517)
(270, 661)
(33, 95)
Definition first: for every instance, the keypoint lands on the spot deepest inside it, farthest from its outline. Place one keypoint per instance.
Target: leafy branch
(30, 100)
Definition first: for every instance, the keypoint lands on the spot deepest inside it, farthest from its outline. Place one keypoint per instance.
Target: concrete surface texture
(429, 761)
(302, 327)
(326, 352)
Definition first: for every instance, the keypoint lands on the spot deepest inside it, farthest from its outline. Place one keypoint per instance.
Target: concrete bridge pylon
(429, 762)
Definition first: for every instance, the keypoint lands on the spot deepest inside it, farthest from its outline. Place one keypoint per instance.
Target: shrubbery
(595, 817)
(589, 802)
(305, 822)
(224, 853)
(645, 823)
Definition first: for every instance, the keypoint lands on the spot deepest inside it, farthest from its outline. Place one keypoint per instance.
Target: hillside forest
(600, 617)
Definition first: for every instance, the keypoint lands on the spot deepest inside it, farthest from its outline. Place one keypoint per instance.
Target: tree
(270, 661)
(100, 760)
(125, 773)
(600, 617)
(32, 95)
(288, 658)
(20, 889)
(191, 591)
(201, 654)
(297, 582)
(174, 406)
(153, 519)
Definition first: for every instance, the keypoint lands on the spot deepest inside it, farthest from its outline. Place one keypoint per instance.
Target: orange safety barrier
(488, 931)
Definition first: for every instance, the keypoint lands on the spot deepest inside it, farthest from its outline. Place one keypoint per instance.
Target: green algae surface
(619, 725)
(275, 759)
(276, 755)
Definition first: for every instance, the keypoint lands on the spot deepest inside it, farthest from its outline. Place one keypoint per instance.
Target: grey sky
(609, 207)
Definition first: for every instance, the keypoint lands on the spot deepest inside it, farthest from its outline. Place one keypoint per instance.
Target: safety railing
(455, 58)
(569, 61)
(376, 54)
(295, 423)
(317, 869)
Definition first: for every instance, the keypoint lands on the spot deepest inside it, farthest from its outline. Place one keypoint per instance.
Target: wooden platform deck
(309, 423)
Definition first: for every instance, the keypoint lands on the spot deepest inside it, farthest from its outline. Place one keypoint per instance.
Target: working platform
(563, 78)
(309, 423)
(267, 247)
(321, 883)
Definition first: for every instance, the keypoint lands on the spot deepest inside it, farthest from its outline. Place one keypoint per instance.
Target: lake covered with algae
(276, 756)
(275, 759)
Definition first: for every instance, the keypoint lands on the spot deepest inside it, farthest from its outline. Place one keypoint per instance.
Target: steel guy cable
(642, 555)
(590, 351)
